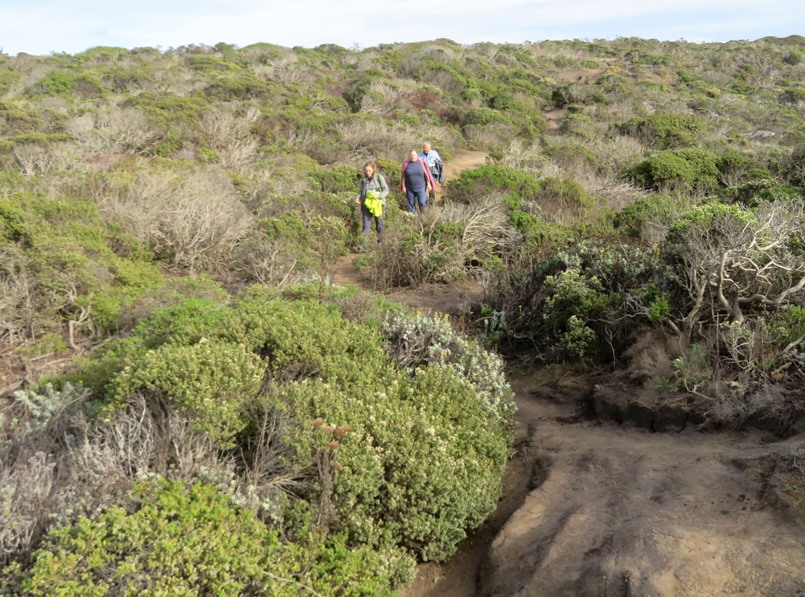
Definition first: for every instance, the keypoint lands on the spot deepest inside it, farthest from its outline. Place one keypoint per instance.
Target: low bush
(210, 381)
(206, 361)
(648, 218)
(664, 131)
(381, 493)
(183, 540)
(581, 303)
(689, 170)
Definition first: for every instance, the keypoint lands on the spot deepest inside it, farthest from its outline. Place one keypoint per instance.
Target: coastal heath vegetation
(178, 371)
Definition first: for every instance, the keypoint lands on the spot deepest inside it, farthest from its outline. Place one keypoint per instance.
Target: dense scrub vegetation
(170, 218)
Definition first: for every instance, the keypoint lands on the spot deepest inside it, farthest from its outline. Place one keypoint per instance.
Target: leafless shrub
(36, 468)
(649, 358)
(194, 221)
(264, 465)
(485, 226)
(450, 241)
(496, 136)
(25, 500)
(18, 295)
(616, 193)
(230, 136)
(256, 259)
(285, 69)
(36, 158)
(149, 437)
(127, 131)
(734, 405)
(529, 157)
(735, 265)
(615, 153)
(56, 465)
(383, 97)
(114, 130)
(376, 138)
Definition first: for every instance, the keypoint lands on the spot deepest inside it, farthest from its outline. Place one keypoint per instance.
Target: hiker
(416, 182)
(434, 163)
(372, 199)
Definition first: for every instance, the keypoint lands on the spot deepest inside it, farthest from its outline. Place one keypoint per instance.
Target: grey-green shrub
(420, 340)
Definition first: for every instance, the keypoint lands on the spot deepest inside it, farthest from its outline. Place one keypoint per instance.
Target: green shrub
(562, 96)
(752, 193)
(582, 302)
(788, 326)
(167, 110)
(79, 267)
(452, 409)
(306, 339)
(210, 381)
(664, 131)
(340, 179)
(563, 193)
(391, 171)
(684, 169)
(384, 493)
(705, 221)
(310, 237)
(187, 323)
(654, 209)
(477, 183)
(178, 540)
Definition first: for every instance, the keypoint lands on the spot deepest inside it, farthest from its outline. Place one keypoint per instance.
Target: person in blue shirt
(416, 182)
(433, 160)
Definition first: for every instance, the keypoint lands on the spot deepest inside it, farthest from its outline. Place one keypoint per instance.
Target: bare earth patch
(598, 508)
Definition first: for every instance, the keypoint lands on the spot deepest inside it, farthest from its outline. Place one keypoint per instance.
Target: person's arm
(429, 182)
(402, 176)
(361, 194)
(384, 188)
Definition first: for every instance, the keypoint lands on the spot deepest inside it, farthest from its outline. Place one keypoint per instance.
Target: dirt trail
(593, 507)
(597, 508)
(447, 298)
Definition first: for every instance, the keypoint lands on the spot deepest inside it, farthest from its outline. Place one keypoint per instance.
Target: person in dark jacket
(416, 182)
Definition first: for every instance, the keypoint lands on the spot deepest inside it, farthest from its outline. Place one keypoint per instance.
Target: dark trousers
(417, 199)
(367, 222)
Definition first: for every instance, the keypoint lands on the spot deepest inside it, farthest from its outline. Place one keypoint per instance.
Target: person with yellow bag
(372, 199)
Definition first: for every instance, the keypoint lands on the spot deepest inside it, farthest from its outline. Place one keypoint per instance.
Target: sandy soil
(597, 508)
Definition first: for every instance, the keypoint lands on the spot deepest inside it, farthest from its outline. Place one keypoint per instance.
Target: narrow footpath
(592, 507)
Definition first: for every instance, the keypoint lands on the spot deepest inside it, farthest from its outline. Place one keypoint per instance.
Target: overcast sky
(47, 26)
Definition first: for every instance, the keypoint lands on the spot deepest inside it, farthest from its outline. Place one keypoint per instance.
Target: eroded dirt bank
(598, 508)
